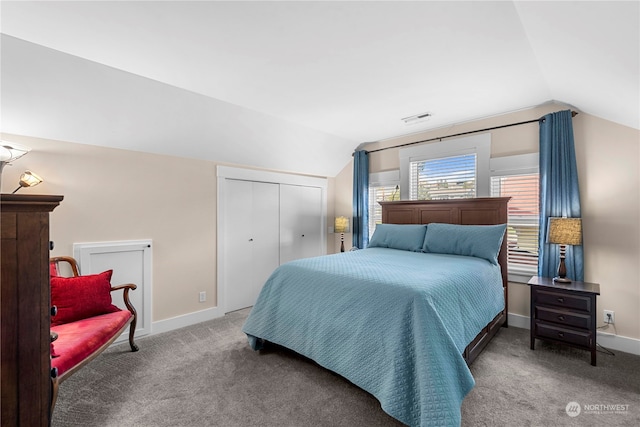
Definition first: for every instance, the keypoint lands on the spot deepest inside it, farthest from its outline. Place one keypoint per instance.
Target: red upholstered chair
(55, 268)
(84, 321)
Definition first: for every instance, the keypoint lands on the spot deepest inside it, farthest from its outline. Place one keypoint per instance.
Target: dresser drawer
(563, 300)
(576, 320)
(545, 330)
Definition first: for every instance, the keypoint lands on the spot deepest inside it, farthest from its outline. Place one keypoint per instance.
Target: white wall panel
(131, 263)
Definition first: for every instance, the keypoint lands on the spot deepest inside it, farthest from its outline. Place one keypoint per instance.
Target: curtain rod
(440, 138)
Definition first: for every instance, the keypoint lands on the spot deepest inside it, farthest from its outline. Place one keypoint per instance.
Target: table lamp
(563, 232)
(341, 225)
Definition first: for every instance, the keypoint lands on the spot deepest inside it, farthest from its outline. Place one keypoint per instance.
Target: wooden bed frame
(478, 211)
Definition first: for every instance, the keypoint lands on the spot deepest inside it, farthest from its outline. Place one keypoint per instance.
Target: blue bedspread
(395, 323)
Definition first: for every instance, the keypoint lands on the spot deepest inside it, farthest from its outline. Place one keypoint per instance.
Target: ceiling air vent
(418, 118)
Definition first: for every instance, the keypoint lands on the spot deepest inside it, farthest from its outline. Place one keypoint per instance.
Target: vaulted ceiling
(298, 85)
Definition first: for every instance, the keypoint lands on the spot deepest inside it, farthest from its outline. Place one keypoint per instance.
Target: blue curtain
(360, 199)
(559, 191)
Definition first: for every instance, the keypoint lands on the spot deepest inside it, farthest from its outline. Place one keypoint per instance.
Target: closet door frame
(228, 172)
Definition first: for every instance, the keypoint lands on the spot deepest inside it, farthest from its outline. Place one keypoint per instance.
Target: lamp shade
(28, 179)
(565, 231)
(341, 224)
(10, 151)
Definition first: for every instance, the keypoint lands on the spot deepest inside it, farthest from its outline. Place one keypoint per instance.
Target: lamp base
(562, 268)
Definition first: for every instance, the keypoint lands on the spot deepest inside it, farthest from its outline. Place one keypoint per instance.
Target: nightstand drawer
(576, 320)
(564, 300)
(558, 333)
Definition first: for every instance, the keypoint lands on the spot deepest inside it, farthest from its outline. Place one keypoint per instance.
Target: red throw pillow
(53, 352)
(81, 297)
(53, 269)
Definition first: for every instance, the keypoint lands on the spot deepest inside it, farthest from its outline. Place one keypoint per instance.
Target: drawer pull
(560, 299)
(561, 318)
(561, 334)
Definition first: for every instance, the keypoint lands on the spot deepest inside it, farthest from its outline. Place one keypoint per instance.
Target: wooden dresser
(25, 309)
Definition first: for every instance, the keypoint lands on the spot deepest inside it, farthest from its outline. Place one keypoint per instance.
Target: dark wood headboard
(478, 211)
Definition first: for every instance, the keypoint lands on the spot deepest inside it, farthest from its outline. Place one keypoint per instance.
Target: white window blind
(452, 177)
(380, 193)
(522, 221)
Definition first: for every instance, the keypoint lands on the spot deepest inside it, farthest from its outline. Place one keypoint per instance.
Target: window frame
(522, 164)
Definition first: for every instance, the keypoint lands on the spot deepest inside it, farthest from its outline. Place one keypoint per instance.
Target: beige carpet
(206, 375)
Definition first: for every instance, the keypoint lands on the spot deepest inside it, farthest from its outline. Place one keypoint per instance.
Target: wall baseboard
(618, 342)
(519, 321)
(177, 322)
(610, 341)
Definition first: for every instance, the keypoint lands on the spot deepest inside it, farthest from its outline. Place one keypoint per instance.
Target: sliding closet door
(265, 234)
(300, 222)
(251, 236)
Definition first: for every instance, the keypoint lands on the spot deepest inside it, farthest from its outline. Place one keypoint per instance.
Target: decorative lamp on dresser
(564, 312)
(25, 303)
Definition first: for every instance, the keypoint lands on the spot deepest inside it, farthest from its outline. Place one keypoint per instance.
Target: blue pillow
(406, 237)
(482, 241)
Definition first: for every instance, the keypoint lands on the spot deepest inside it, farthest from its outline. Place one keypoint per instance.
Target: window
(517, 177)
(451, 177)
(451, 169)
(383, 186)
(382, 193)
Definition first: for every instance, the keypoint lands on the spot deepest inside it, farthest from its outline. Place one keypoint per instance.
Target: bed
(403, 318)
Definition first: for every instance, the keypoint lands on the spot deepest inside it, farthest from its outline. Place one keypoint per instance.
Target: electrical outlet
(203, 296)
(609, 317)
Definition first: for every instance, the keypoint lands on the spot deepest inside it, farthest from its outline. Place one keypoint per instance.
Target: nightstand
(564, 313)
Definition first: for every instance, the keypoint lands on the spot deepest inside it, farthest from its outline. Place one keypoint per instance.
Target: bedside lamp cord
(606, 350)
